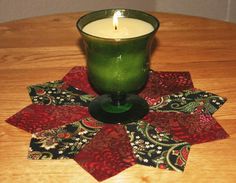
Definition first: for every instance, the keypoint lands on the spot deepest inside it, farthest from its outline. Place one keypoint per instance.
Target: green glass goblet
(118, 68)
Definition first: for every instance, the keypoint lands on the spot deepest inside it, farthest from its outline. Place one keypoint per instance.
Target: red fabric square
(193, 128)
(107, 154)
(165, 83)
(35, 118)
(78, 78)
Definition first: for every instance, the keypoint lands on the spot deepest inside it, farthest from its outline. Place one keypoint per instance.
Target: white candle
(126, 28)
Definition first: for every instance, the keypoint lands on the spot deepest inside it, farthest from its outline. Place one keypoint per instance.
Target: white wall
(216, 9)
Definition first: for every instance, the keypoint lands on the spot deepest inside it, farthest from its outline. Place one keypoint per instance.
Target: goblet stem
(118, 109)
(116, 103)
(118, 100)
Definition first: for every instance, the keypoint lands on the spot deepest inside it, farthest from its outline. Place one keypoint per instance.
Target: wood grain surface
(42, 49)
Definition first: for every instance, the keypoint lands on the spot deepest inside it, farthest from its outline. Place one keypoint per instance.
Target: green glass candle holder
(118, 68)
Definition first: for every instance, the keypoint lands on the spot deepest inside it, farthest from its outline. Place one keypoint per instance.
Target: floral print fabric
(63, 142)
(58, 93)
(188, 101)
(152, 147)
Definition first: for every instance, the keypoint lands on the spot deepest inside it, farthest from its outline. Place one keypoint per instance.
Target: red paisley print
(165, 83)
(193, 128)
(107, 154)
(35, 118)
(78, 78)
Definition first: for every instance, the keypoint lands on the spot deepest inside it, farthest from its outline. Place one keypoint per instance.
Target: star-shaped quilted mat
(62, 128)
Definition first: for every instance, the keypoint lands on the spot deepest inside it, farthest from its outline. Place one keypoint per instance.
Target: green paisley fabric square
(58, 93)
(188, 101)
(63, 142)
(155, 148)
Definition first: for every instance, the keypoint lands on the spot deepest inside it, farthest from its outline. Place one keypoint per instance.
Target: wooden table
(41, 49)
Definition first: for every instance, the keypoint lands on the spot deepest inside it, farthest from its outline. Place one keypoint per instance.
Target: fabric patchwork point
(35, 118)
(158, 149)
(188, 101)
(193, 128)
(63, 142)
(58, 93)
(107, 154)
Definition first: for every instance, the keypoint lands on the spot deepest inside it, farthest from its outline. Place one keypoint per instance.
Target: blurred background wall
(215, 9)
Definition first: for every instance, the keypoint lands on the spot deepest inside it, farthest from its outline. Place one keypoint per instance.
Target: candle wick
(115, 27)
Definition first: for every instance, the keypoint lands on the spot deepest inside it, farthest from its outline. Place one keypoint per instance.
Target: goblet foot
(108, 110)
